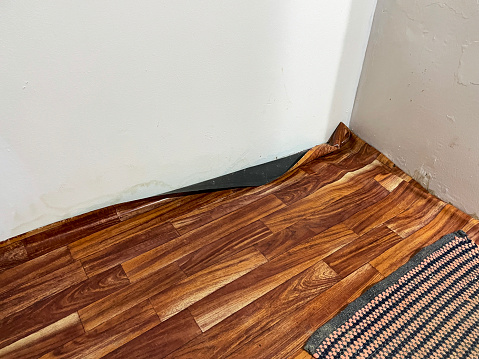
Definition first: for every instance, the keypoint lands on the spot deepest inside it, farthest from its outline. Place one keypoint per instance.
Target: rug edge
(320, 334)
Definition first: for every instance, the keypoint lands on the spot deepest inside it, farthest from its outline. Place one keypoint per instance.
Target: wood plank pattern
(12, 255)
(45, 340)
(120, 301)
(161, 340)
(110, 335)
(247, 273)
(189, 290)
(45, 312)
(173, 250)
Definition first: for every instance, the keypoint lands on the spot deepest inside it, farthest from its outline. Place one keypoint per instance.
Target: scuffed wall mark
(455, 142)
(423, 177)
(451, 118)
(468, 71)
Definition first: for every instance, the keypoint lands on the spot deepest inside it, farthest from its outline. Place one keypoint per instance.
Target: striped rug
(429, 308)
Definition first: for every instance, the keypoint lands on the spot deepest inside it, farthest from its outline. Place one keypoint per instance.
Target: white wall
(418, 98)
(108, 101)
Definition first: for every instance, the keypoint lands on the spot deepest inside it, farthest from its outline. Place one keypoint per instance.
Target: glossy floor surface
(247, 273)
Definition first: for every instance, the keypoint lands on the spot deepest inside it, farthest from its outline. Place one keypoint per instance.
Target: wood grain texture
(226, 246)
(238, 329)
(53, 308)
(12, 255)
(321, 199)
(108, 307)
(173, 250)
(45, 340)
(110, 335)
(367, 247)
(290, 333)
(20, 294)
(247, 273)
(128, 248)
(68, 231)
(161, 340)
(189, 290)
(402, 197)
(450, 219)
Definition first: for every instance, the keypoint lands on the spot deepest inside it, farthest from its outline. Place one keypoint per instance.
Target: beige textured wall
(418, 97)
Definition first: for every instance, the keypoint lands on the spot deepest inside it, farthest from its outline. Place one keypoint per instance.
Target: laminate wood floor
(247, 273)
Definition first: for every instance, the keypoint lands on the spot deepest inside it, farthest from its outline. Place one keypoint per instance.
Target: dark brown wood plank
(51, 309)
(233, 332)
(22, 297)
(110, 335)
(133, 229)
(322, 198)
(12, 255)
(282, 241)
(45, 340)
(345, 207)
(362, 250)
(246, 289)
(401, 198)
(30, 271)
(161, 340)
(289, 334)
(177, 248)
(129, 248)
(112, 305)
(450, 219)
(226, 246)
(69, 231)
(191, 289)
(326, 174)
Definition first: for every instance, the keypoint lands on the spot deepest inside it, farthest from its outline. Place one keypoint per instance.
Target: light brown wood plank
(401, 198)
(325, 196)
(354, 255)
(53, 308)
(224, 247)
(175, 249)
(292, 331)
(389, 181)
(44, 340)
(191, 289)
(110, 335)
(448, 220)
(129, 248)
(161, 340)
(423, 211)
(108, 307)
(301, 354)
(17, 299)
(246, 289)
(233, 332)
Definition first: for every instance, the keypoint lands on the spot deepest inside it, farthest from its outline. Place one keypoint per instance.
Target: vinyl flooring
(241, 273)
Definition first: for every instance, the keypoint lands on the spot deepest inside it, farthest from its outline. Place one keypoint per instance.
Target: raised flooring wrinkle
(237, 273)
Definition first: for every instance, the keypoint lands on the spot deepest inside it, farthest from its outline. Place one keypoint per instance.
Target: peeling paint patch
(468, 71)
